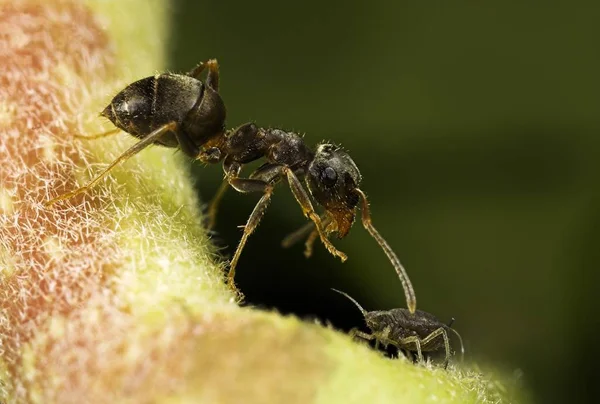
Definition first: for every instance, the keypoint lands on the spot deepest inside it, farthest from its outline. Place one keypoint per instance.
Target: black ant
(414, 332)
(180, 111)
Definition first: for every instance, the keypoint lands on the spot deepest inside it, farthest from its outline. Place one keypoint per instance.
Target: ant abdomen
(155, 101)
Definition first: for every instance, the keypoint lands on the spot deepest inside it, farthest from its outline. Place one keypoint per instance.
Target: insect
(180, 111)
(330, 175)
(172, 110)
(414, 332)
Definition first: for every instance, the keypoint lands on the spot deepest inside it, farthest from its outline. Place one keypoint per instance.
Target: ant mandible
(181, 111)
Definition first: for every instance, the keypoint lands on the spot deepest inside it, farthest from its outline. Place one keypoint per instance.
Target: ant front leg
(312, 237)
(310, 232)
(310, 242)
(304, 201)
(298, 235)
(212, 78)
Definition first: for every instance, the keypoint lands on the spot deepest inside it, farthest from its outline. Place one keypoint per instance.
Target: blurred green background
(476, 129)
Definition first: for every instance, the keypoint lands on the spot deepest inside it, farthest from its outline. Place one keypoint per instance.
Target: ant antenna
(409, 292)
(363, 311)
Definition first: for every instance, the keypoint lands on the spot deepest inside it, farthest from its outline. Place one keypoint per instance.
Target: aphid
(181, 111)
(414, 332)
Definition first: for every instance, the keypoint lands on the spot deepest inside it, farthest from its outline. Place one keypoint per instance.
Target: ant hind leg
(132, 151)
(212, 78)
(213, 206)
(98, 135)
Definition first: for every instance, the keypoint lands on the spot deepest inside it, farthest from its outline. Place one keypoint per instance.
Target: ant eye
(329, 177)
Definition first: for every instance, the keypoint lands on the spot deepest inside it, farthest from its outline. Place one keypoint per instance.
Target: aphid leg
(98, 135)
(440, 331)
(304, 201)
(409, 292)
(212, 79)
(462, 347)
(132, 151)
(356, 333)
(213, 205)
(383, 337)
(417, 342)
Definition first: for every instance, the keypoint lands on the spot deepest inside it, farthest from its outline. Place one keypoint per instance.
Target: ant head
(129, 110)
(332, 179)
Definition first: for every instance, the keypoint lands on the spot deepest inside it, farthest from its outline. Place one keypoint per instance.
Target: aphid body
(414, 332)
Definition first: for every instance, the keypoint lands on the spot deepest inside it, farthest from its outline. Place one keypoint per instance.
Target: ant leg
(298, 235)
(212, 79)
(133, 150)
(409, 292)
(253, 220)
(312, 237)
(213, 205)
(187, 145)
(309, 231)
(304, 201)
(265, 179)
(417, 342)
(267, 174)
(98, 135)
(310, 241)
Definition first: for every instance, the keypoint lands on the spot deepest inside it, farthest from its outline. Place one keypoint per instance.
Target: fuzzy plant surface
(117, 296)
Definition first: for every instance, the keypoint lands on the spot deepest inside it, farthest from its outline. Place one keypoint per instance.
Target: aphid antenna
(462, 347)
(363, 311)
